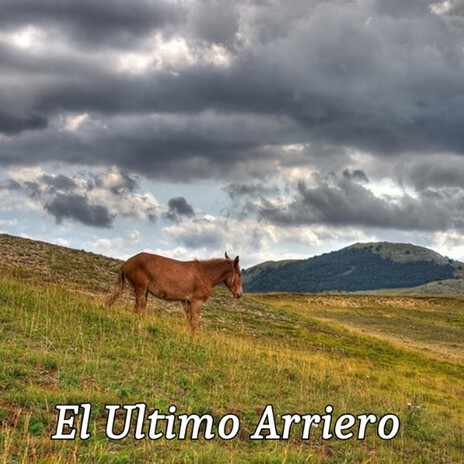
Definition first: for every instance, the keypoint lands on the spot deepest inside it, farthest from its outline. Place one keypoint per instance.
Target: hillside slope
(358, 267)
(30, 259)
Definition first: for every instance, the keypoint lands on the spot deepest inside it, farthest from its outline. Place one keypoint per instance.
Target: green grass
(63, 347)
(435, 325)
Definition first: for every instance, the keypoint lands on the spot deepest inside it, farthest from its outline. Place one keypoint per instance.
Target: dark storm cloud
(238, 190)
(77, 208)
(14, 124)
(92, 23)
(347, 203)
(174, 147)
(346, 73)
(222, 28)
(401, 8)
(95, 202)
(10, 184)
(58, 182)
(45, 182)
(179, 208)
(383, 77)
(435, 172)
(57, 195)
(356, 175)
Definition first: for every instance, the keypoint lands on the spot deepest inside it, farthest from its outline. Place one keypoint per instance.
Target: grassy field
(359, 353)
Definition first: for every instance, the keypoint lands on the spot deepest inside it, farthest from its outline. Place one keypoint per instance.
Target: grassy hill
(360, 354)
(363, 266)
(31, 259)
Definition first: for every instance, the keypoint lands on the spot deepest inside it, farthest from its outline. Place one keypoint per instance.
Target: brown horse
(189, 282)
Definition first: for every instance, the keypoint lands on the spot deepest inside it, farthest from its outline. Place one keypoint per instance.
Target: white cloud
(26, 174)
(8, 222)
(386, 188)
(59, 241)
(135, 236)
(128, 204)
(171, 54)
(24, 38)
(256, 241)
(73, 122)
(449, 243)
(441, 7)
(115, 247)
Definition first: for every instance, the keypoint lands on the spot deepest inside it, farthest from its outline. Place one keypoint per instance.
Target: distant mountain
(362, 266)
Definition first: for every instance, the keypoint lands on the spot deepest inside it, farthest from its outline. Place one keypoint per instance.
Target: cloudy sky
(270, 129)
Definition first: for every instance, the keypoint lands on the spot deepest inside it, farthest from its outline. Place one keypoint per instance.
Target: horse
(189, 282)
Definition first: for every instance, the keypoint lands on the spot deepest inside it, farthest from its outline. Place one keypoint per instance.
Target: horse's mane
(210, 261)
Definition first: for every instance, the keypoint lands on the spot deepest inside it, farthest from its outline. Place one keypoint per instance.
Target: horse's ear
(236, 260)
(226, 255)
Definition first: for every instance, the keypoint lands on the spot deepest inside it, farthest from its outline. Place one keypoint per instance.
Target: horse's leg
(195, 315)
(140, 299)
(188, 311)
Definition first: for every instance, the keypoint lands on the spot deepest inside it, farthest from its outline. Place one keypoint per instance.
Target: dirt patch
(359, 301)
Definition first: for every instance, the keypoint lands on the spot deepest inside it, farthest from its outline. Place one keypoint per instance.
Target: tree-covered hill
(358, 267)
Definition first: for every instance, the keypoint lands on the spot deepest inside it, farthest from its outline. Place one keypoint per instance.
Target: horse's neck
(216, 271)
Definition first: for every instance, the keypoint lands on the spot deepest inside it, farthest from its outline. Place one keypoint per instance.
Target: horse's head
(233, 280)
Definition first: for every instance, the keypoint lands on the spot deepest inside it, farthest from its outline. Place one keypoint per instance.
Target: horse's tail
(118, 290)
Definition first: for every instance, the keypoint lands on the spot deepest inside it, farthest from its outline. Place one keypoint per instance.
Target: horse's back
(149, 266)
